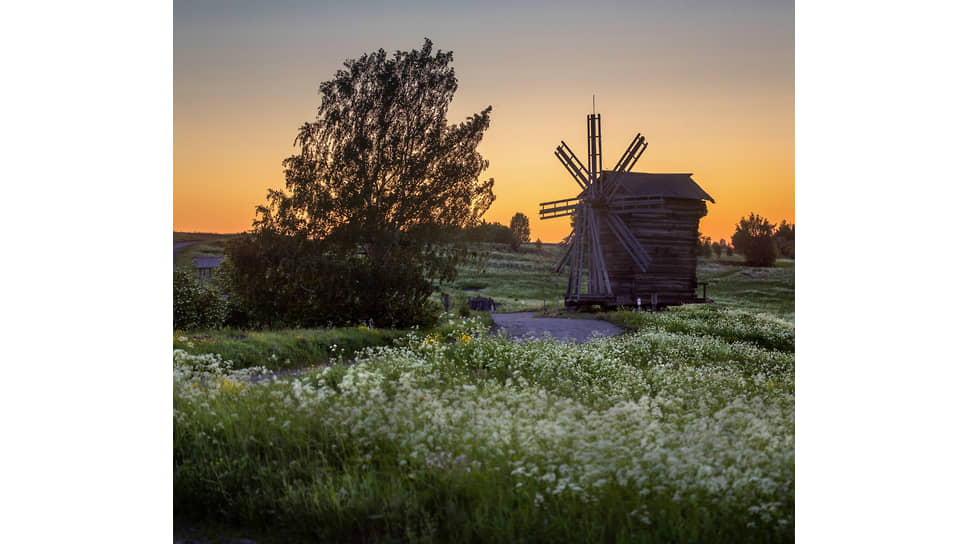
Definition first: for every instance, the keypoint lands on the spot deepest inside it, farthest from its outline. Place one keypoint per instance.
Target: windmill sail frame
(634, 234)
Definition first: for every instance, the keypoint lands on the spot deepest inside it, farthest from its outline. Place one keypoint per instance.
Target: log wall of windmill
(668, 233)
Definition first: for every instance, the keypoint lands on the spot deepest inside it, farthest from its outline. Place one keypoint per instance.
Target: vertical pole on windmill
(655, 302)
(594, 151)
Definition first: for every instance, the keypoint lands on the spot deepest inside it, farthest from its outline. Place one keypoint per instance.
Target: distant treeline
(760, 241)
(494, 233)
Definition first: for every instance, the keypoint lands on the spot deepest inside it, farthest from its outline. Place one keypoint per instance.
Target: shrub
(286, 281)
(520, 230)
(784, 239)
(754, 239)
(194, 305)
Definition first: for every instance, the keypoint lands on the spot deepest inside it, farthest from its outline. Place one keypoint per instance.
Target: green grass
(525, 281)
(679, 430)
(713, 320)
(652, 436)
(283, 349)
(517, 281)
(298, 348)
(751, 289)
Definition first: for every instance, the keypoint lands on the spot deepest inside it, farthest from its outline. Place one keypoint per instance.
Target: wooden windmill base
(585, 302)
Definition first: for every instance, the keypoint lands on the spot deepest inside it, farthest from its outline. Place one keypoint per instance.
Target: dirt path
(179, 245)
(525, 325)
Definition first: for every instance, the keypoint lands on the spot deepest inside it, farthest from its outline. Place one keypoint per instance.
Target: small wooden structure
(482, 304)
(634, 234)
(206, 266)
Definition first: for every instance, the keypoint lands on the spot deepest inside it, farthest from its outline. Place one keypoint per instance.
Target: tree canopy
(380, 177)
(380, 155)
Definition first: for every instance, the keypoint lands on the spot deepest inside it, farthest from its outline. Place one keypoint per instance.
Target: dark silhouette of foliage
(784, 239)
(380, 182)
(289, 281)
(495, 233)
(195, 306)
(520, 230)
(704, 245)
(754, 239)
(717, 249)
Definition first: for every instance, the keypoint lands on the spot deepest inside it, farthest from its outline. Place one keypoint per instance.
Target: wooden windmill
(634, 234)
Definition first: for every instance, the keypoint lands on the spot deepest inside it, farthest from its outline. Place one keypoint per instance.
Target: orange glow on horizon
(710, 88)
(218, 187)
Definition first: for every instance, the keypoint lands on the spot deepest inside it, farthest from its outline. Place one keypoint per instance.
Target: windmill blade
(632, 154)
(574, 158)
(635, 250)
(627, 155)
(569, 246)
(573, 164)
(559, 208)
(600, 271)
(625, 164)
(578, 257)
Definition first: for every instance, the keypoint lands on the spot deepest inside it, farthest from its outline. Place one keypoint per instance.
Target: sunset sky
(709, 84)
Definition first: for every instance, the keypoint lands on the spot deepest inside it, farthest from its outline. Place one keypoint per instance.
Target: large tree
(380, 155)
(379, 176)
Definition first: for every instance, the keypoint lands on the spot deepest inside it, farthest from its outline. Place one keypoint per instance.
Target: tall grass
(459, 436)
(713, 320)
(284, 348)
(751, 289)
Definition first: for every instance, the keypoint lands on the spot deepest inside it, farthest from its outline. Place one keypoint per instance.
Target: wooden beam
(581, 251)
(573, 165)
(625, 164)
(575, 173)
(576, 198)
(633, 200)
(602, 280)
(635, 250)
(570, 244)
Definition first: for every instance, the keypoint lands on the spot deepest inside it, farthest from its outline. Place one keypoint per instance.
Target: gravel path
(525, 325)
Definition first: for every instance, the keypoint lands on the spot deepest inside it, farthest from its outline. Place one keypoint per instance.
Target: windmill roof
(207, 262)
(665, 185)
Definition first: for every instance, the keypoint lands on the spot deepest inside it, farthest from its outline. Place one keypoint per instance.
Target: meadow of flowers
(653, 435)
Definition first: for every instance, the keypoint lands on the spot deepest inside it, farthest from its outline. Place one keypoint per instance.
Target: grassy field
(523, 280)
(517, 281)
(679, 430)
(758, 290)
(466, 437)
